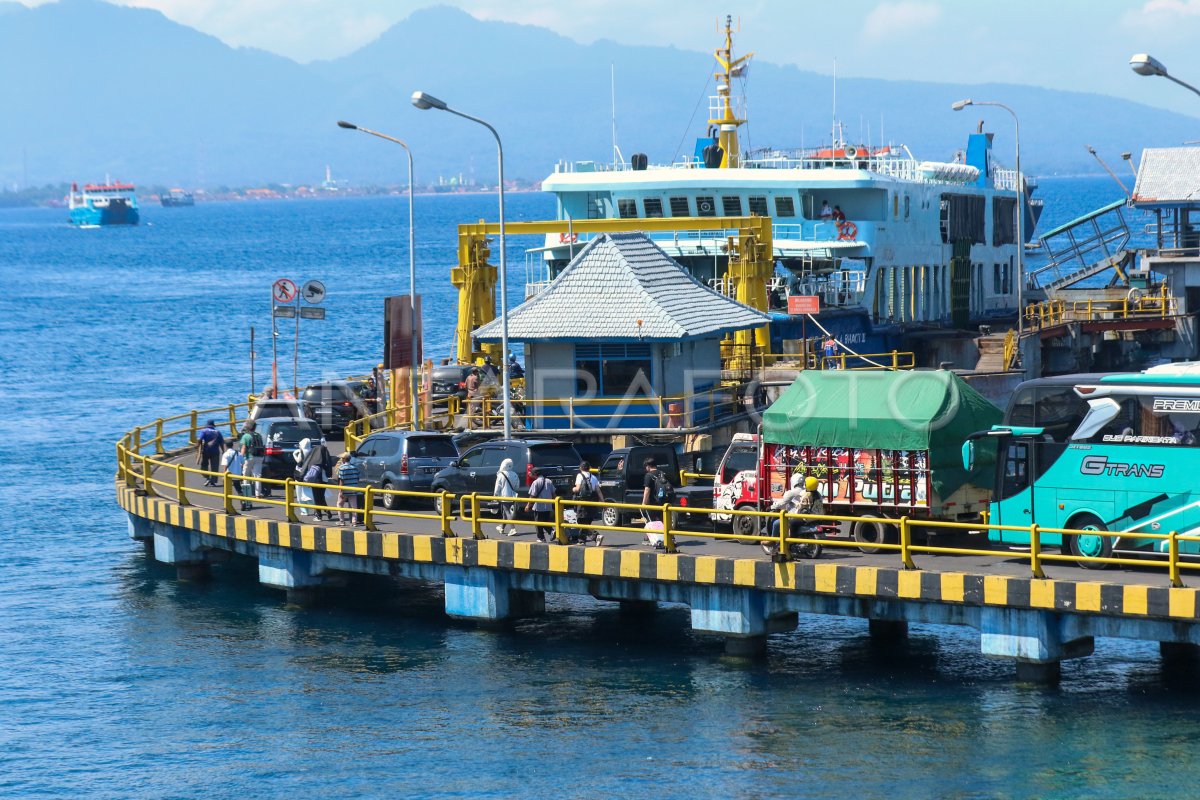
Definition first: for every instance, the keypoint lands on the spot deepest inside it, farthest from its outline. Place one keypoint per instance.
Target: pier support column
(140, 529)
(738, 614)
(1033, 639)
(298, 572)
(638, 608)
(180, 547)
(887, 630)
(487, 594)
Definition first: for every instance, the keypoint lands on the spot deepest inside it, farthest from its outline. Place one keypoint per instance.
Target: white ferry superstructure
(923, 245)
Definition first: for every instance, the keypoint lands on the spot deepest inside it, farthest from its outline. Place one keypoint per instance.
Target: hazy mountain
(96, 89)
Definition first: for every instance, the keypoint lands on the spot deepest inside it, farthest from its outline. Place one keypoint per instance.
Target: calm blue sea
(116, 681)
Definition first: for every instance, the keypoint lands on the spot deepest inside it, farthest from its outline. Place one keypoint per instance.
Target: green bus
(1116, 452)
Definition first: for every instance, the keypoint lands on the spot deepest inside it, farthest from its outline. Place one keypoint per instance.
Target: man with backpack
(658, 491)
(253, 450)
(587, 488)
(541, 496)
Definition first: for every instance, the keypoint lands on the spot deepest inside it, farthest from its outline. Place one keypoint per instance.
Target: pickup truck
(622, 480)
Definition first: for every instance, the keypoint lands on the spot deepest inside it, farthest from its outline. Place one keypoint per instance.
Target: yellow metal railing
(144, 460)
(1050, 313)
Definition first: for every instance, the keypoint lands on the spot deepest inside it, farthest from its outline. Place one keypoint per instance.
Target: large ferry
(103, 204)
(889, 244)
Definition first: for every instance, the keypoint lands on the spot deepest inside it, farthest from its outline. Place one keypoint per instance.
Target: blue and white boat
(893, 246)
(103, 204)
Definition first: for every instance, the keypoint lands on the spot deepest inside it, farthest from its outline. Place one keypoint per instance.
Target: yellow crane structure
(750, 252)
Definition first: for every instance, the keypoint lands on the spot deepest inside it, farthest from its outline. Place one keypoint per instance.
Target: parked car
(281, 436)
(280, 408)
(475, 470)
(449, 379)
(404, 460)
(623, 479)
(335, 404)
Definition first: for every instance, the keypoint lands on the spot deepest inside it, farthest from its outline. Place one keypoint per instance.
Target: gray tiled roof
(1168, 175)
(616, 280)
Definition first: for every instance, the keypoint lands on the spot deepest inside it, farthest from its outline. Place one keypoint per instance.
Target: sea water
(118, 681)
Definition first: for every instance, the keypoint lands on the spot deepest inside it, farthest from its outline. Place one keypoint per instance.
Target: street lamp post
(425, 101)
(959, 106)
(412, 269)
(1146, 64)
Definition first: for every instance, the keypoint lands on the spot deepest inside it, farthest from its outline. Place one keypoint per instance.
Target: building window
(653, 206)
(595, 204)
(758, 206)
(706, 207)
(627, 208)
(785, 207)
(680, 207)
(612, 370)
(731, 206)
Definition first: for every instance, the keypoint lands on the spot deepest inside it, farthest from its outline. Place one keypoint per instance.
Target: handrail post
(158, 433)
(192, 425)
(180, 494)
(560, 533)
(1035, 550)
(906, 543)
(784, 554)
(476, 522)
(232, 420)
(1173, 559)
(147, 483)
(668, 533)
(444, 513)
(289, 502)
(227, 491)
(895, 360)
(137, 440)
(369, 509)
(570, 412)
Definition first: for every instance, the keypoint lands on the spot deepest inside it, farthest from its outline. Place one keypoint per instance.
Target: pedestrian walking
(232, 463)
(473, 385)
(587, 488)
(541, 495)
(506, 486)
(348, 477)
(304, 495)
(316, 469)
(247, 486)
(209, 446)
(658, 492)
(832, 350)
(253, 450)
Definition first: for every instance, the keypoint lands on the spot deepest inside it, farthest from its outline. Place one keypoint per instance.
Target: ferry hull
(113, 214)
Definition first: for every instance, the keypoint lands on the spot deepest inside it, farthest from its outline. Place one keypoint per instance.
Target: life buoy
(847, 232)
(568, 238)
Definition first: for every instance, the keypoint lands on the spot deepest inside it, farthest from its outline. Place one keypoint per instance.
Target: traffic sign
(316, 312)
(285, 311)
(284, 291)
(314, 292)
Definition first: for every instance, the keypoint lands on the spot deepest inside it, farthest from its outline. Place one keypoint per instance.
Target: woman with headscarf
(315, 468)
(303, 493)
(507, 484)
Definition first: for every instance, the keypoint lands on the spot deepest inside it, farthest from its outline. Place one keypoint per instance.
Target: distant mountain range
(95, 89)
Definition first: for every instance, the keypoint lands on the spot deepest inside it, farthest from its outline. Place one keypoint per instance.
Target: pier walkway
(1031, 607)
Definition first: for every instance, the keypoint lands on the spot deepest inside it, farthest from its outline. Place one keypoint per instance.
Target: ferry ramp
(1034, 608)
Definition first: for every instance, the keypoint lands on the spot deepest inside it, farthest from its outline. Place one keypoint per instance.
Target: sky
(1061, 44)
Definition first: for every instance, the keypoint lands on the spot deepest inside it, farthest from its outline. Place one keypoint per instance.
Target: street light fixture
(1146, 64)
(959, 106)
(412, 269)
(425, 101)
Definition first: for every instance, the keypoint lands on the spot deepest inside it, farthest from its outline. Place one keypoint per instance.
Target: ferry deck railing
(148, 460)
(1051, 313)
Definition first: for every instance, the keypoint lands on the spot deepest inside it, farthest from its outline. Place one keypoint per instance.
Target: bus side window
(1016, 468)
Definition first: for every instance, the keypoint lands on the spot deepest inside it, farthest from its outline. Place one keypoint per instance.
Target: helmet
(811, 483)
(487, 359)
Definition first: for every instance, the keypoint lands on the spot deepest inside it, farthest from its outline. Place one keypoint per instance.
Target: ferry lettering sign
(804, 304)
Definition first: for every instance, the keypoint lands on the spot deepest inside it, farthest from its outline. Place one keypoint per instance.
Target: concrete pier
(1033, 623)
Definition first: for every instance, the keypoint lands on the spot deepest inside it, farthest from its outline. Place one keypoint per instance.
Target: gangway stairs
(1085, 247)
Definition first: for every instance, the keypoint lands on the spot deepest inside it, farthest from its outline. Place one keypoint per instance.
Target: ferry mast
(726, 121)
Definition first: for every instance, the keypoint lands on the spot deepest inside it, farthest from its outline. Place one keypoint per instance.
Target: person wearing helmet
(490, 373)
(803, 497)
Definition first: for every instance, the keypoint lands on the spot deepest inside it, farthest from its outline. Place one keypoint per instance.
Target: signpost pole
(296, 353)
(274, 345)
(252, 357)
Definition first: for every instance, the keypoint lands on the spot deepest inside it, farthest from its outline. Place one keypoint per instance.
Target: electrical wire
(844, 346)
(688, 127)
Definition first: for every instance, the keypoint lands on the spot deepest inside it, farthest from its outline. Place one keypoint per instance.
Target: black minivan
(475, 470)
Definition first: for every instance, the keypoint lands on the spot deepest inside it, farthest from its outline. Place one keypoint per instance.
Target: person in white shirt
(587, 487)
(507, 484)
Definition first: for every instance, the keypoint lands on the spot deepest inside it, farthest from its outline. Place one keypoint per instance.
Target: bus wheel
(871, 533)
(746, 525)
(1084, 546)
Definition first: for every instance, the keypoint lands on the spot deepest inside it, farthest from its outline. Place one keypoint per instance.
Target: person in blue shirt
(209, 446)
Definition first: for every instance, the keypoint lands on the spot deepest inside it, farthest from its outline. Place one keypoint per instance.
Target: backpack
(587, 490)
(664, 492)
(257, 448)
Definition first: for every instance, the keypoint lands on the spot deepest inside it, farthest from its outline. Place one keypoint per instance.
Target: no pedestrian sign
(284, 291)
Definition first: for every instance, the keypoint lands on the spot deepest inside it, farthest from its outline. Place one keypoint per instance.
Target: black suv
(476, 470)
(281, 436)
(335, 404)
(449, 379)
